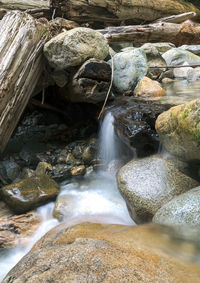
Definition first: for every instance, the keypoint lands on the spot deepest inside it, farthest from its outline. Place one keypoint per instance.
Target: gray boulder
(129, 68)
(147, 184)
(154, 59)
(176, 56)
(73, 47)
(192, 48)
(181, 210)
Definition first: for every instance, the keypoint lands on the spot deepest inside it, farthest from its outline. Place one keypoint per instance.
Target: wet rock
(148, 87)
(147, 184)
(16, 229)
(90, 152)
(61, 172)
(195, 49)
(176, 56)
(135, 123)
(30, 192)
(179, 130)
(10, 170)
(154, 59)
(60, 77)
(104, 253)
(78, 171)
(90, 83)
(73, 47)
(167, 80)
(129, 68)
(66, 206)
(182, 210)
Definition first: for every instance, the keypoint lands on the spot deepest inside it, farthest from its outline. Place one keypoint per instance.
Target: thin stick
(173, 67)
(105, 101)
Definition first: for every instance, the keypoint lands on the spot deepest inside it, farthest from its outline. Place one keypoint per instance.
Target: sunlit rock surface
(104, 253)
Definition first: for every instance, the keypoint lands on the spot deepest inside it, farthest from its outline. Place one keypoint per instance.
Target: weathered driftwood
(185, 33)
(177, 19)
(115, 11)
(24, 4)
(21, 42)
(37, 8)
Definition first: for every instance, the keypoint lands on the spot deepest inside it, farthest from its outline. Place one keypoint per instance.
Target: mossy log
(113, 12)
(21, 43)
(178, 34)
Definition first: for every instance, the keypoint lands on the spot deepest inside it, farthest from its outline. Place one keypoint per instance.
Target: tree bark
(109, 12)
(179, 34)
(22, 39)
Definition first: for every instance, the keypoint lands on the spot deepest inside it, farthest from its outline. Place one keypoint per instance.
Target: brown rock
(148, 87)
(104, 253)
(78, 171)
(16, 229)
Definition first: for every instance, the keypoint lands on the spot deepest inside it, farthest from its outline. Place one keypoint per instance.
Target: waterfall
(108, 142)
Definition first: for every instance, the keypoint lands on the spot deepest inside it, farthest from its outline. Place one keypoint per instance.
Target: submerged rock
(135, 123)
(129, 68)
(73, 47)
(104, 253)
(176, 56)
(182, 210)
(31, 192)
(179, 130)
(148, 87)
(147, 184)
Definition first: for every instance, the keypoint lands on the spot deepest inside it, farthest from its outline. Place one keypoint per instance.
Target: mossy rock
(179, 130)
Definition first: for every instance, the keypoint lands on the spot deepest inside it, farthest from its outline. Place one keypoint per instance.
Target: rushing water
(95, 199)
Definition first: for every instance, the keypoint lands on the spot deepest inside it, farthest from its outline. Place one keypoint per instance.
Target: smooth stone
(10, 170)
(154, 59)
(179, 130)
(17, 230)
(129, 68)
(71, 48)
(182, 210)
(148, 87)
(192, 48)
(147, 184)
(176, 56)
(32, 191)
(106, 253)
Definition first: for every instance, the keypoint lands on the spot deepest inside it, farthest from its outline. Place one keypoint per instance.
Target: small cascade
(108, 142)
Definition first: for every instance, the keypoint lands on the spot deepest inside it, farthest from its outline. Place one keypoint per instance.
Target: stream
(94, 198)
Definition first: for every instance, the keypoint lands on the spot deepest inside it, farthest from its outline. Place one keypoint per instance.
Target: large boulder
(176, 56)
(31, 191)
(129, 68)
(147, 184)
(179, 130)
(192, 48)
(182, 210)
(71, 48)
(104, 253)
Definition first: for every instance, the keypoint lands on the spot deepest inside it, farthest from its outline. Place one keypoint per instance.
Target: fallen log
(177, 19)
(21, 43)
(37, 8)
(179, 34)
(109, 12)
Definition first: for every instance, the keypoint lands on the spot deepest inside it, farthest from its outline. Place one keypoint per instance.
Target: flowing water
(95, 199)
